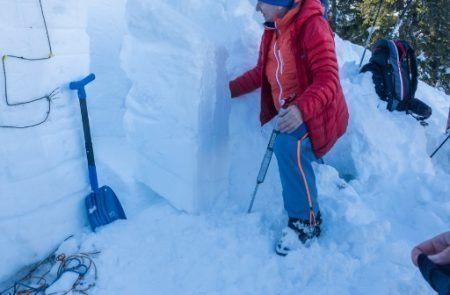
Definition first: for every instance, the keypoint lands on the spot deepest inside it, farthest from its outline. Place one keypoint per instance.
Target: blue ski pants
(295, 156)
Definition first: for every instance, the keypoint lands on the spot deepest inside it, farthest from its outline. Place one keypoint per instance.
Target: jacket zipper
(279, 71)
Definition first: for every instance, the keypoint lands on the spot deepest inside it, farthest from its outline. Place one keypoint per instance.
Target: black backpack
(394, 68)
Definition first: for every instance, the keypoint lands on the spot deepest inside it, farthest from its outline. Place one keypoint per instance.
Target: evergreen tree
(435, 44)
(346, 20)
(425, 25)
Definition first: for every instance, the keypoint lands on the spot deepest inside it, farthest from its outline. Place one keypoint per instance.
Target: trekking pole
(447, 130)
(440, 146)
(269, 151)
(445, 140)
(372, 29)
(264, 166)
(398, 23)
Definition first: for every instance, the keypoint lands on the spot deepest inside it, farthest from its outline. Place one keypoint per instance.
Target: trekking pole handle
(79, 85)
(269, 150)
(267, 157)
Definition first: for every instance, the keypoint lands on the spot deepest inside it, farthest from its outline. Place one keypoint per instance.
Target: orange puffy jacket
(320, 99)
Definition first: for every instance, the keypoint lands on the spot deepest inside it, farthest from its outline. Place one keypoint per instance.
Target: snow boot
(298, 233)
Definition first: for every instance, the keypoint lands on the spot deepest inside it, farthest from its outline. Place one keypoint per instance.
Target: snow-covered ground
(380, 194)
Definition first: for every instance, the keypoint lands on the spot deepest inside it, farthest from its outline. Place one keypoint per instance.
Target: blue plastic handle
(79, 85)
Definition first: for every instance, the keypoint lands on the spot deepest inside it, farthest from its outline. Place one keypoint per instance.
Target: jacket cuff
(233, 88)
(301, 107)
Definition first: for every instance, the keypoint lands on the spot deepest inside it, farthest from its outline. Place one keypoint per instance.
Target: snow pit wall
(42, 169)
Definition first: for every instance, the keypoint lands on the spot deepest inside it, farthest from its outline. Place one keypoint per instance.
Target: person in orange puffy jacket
(298, 74)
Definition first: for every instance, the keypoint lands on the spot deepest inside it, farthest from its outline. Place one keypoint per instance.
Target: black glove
(438, 276)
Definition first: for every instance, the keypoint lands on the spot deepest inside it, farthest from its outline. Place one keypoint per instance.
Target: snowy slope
(379, 192)
(397, 198)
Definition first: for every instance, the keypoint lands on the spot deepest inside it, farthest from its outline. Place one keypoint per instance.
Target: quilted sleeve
(321, 60)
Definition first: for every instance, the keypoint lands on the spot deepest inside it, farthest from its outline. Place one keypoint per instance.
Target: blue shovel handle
(79, 85)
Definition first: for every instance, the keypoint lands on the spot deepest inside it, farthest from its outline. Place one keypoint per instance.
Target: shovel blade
(103, 207)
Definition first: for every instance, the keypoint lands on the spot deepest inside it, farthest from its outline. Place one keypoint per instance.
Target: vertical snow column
(176, 111)
(42, 168)
(106, 27)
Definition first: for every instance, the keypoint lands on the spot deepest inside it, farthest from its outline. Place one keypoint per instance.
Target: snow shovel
(102, 204)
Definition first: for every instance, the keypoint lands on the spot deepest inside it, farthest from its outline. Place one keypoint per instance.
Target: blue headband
(285, 3)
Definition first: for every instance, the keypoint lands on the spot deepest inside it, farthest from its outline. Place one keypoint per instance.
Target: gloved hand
(437, 249)
(438, 276)
(433, 259)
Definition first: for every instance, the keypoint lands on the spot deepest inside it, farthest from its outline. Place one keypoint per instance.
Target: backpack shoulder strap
(370, 67)
(399, 87)
(378, 78)
(409, 56)
(412, 62)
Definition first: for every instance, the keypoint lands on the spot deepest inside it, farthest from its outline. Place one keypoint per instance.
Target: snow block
(175, 111)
